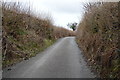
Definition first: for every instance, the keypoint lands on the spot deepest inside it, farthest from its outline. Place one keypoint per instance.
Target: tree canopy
(72, 25)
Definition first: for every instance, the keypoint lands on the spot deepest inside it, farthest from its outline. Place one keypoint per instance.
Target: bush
(97, 36)
(25, 34)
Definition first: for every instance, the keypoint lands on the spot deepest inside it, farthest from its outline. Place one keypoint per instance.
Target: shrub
(97, 36)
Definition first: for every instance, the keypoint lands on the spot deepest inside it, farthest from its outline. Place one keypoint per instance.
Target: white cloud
(62, 11)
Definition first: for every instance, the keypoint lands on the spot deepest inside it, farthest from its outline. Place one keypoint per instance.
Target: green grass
(21, 32)
(27, 39)
(48, 42)
(30, 48)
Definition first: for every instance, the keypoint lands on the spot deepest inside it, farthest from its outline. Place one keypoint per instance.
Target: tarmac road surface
(61, 60)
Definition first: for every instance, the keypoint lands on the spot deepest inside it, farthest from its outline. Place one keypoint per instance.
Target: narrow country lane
(61, 60)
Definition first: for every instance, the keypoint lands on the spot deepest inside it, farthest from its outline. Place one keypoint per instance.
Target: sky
(62, 12)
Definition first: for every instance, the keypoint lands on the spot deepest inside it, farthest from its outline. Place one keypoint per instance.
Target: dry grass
(97, 36)
(25, 34)
(60, 32)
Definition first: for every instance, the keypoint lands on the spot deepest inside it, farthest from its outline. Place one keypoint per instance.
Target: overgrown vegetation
(97, 36)
(25, 34)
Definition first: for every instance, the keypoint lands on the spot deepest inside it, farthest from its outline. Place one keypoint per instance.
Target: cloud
(63, 6)
(64, 19)
(63, 11)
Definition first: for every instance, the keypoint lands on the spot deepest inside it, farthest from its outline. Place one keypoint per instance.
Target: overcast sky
(61, 11)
